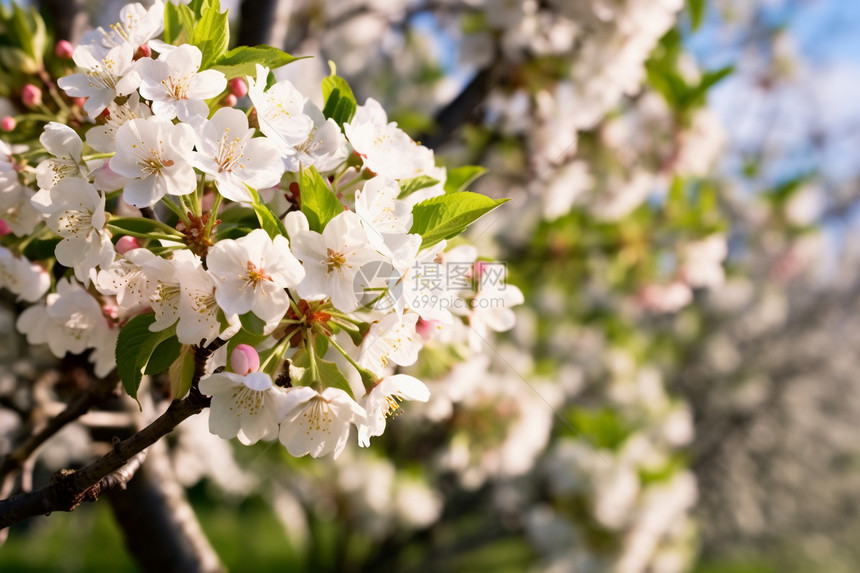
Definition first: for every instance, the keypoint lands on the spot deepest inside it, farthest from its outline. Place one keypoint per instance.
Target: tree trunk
(160, 528)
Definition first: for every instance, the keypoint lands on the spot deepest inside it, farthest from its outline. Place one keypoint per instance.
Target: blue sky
(818, 95)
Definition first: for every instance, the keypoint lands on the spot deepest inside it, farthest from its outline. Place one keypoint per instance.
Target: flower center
(103, 76)
(77, 325)
(247, 401)
(229, 153)
(393, 403)
(335, 261)
(177, 87)
(152, 163)
(75, 224)
(310, 144)
(318, 414)
(256, 275)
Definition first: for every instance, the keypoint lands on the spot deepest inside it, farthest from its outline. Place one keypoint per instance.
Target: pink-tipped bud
(244, 359)
(126, 244)
(427, 328)
(5, 229)
(110, 309)
(64, 49)
(238, 87)
(143, 51)
(31, 96)
(228, 100)
(480, 267)
(80, 101)
(8, 123)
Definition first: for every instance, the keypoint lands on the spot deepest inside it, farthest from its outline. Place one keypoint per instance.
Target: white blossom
(325, 147)
(252, 272)
(280, 112)
(154, 153)
(331, 259)
(105, 77)
(103, 137)
(246, 407)
(127, 280)
(66, 146)
(227, 152)
(391, 340)
(176, 87)
(385, 148)
(317, 423)
(76, 212)
(27, 280)
(70, 320)
(382, 214)
(383, 401)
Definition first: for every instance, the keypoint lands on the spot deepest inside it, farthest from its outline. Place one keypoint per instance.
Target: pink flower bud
(31, 96)
(238, 87)
(80, 101)
(126, 244)
(110, 309)
(143, 51)
(8, 123)
(228, 100)
(5, 229)
(244, 359)
(480, 267)
(64, 49)
(426, 328)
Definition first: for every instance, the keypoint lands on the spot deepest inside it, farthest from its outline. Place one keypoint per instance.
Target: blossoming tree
(186, 215)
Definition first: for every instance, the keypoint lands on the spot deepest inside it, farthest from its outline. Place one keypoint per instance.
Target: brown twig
(69, 488)
(79, 406)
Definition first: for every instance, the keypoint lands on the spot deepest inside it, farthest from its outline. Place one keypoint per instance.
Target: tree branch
(80, 405)
(69, 488)
(454, 115)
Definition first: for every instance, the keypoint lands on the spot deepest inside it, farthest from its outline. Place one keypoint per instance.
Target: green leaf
(697, 95)
(340, 104)
(319, 203)
(134, 347)
(697, 12)
(232, 231)
(410, 186)
(163, 356)
(357, 336)
(603, 428)
(17, 59)
(461, 177)
(27, 31)
(242, 61)
(179, 23)
(269, 222)
(447, 216)
(252, 323)
(246, 336)
(197, 6)
(328, 372)
(211, 34)
(181, 372)
(39, 249)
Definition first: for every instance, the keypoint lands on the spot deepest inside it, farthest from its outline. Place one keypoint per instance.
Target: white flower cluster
(328, 299)
(634, 490)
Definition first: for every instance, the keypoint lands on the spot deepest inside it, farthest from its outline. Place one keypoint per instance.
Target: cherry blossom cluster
(203, 202)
